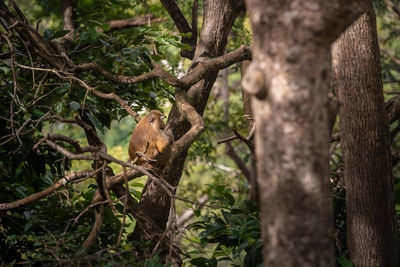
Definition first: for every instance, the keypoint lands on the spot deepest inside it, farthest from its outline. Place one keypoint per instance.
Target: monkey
(148, 138)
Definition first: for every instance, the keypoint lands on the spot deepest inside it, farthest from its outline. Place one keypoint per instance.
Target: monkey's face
(156, 120)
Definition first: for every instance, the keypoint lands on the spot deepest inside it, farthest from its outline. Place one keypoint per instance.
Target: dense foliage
(51, 230)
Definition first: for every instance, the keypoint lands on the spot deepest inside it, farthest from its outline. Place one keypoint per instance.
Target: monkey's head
(155, 119)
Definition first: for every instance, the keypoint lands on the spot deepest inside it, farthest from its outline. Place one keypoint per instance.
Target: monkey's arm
(163, 143)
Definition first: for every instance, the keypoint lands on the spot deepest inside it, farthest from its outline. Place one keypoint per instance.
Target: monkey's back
(154, 144)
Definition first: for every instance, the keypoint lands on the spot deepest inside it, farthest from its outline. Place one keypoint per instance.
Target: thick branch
(68, 154)
(71, 141)
(203, 68)
(196, 74)
(393, 109)
(183, 26)
(238, 161)
(196, 121)
(176, 15)
(157, 72)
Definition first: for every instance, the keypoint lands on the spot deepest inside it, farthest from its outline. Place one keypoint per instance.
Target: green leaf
(28, 226)
(229, 198)
(106, 27)
(344, 262)
(137, 185)
(197, 213)
(227, 216)
(94, 34)
(104, 42)
(187, 35)
(201, 261)
(60, 34)
(5, 69)
(219, 188)
(38, 113)
(63, 88)
(58, 107)
(48, 34)
(156, 57)
(74, 105)
(84, 36)
(95, 123)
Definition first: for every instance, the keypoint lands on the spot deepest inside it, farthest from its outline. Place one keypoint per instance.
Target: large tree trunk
(370, 212)
(289, 78)
(218, 18)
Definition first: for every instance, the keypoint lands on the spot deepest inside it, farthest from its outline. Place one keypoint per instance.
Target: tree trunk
(289, 80)
(370, 211)
(68, 9)
(218, 18)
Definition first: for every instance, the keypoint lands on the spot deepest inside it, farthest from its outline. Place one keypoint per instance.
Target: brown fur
(149, 132)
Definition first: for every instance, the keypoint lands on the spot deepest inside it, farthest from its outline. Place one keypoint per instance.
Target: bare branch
(19, 12)
(133, 22)
(71, 141)
(393, 109)
(246, 140)
(68, 154)
(200, 71)
(156, 72)
(73, 176)
(182, 25)
(238, 161)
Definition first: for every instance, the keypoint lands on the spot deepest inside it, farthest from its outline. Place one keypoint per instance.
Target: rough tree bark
(370, 211)
(68, 11)
(246, 98)
(218, 18)
(289, 81)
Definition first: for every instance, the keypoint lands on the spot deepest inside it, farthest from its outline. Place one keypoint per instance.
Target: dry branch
(133, 22)
(183, 26)
(393, 109)
(201, 70)
(230, 151)
(73, 176)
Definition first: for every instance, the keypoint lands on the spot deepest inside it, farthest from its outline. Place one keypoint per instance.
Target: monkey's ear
(152, 119)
